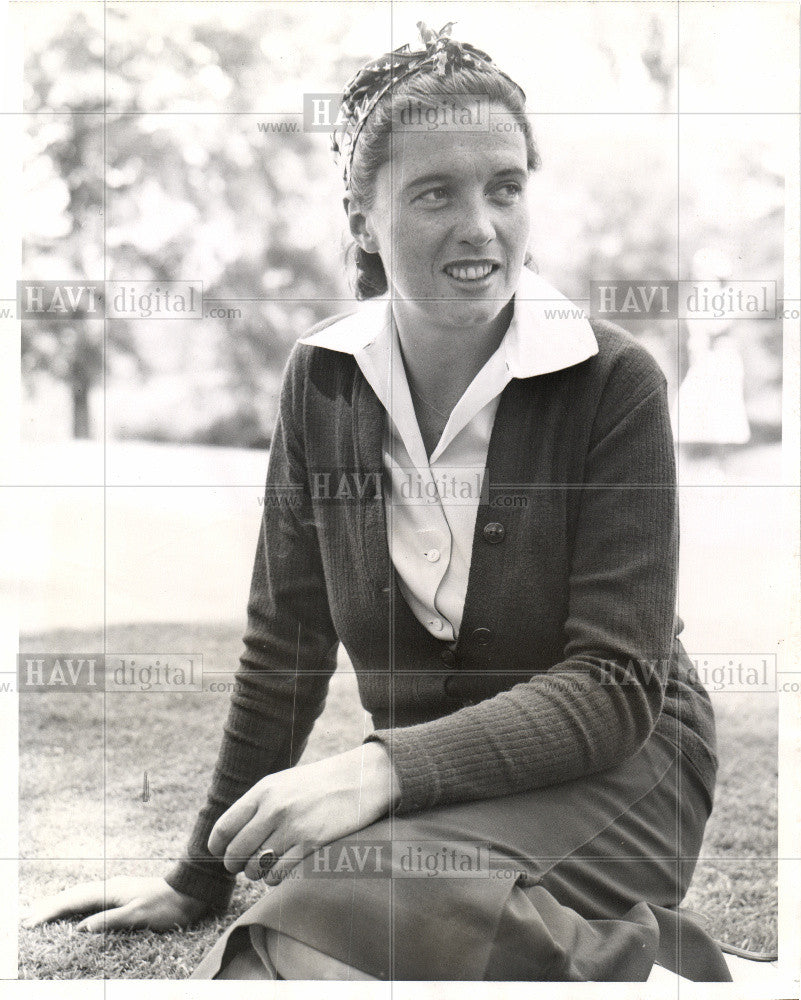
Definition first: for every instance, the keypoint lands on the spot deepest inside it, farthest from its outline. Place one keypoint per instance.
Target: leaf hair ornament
(439, 55)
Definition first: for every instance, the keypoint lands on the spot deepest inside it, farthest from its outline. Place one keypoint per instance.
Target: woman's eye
(434, 196)
(509, 191)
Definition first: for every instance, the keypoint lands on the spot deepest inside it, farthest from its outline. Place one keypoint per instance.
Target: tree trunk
(80, 410)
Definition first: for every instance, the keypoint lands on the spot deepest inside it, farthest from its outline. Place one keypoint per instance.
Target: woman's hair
(372, 149)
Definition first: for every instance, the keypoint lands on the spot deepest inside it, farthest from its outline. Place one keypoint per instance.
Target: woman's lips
(471, 273)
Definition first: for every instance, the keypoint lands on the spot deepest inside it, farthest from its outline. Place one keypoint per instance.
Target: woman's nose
(476, 226)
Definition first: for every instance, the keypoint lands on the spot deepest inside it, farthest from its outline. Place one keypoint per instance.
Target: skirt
(578, 882)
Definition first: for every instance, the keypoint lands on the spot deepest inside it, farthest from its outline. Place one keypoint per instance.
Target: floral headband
(440, 55)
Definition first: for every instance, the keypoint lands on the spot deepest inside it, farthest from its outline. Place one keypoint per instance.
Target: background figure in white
(709, 414)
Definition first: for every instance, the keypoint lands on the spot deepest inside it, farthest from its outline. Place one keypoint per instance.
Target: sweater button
(452, 685)
(494, 532)
(482, 636)
(448, 657)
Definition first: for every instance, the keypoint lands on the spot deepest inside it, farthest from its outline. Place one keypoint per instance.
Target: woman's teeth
(472, 273)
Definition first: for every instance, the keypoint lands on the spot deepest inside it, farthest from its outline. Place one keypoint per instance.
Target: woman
(478, 501)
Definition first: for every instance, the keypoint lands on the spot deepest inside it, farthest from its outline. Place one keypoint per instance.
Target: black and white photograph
(400, 497)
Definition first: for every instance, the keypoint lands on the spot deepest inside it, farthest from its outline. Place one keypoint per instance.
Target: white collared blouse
(431, 503)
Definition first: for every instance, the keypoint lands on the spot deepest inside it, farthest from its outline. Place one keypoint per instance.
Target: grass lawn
(82, 760)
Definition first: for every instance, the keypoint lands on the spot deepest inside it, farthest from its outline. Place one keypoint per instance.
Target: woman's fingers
(263, 859)
(77, 899)
(122, 901)
(249, 844)
(130, 916)
(284, 866)
(278, 866)
(230, 825)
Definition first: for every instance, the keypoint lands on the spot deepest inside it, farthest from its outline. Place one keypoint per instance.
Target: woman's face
(450, 219)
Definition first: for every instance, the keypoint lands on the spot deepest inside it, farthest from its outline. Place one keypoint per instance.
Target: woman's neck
(441, 364)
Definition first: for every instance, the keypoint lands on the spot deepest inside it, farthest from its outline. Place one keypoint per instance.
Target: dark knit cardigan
(567, 657)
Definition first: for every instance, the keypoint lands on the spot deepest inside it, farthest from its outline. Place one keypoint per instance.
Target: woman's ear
(359, 226)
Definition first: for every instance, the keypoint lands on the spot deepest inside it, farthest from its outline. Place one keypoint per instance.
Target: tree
(147, 194)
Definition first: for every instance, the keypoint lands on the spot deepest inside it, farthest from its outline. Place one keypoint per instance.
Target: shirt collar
(535, 342)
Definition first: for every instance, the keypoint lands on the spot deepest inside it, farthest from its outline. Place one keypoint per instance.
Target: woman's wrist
(379, 776)
(192, 906)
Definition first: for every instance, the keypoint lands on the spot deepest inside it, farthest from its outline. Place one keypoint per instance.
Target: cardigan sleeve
(600, 703)
(289, 657)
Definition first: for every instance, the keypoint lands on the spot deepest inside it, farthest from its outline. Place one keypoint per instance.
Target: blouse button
(494, 532)
(436, 624)
(432, 555)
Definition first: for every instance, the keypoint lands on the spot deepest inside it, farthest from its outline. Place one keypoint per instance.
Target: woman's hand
(120, 902)
(293, 812)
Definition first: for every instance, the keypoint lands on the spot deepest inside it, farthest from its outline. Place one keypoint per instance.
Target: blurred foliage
(182, 180)
(187, 194)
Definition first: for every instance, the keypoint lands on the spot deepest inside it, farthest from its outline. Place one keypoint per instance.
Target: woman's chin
(447, 307)
(472, 314)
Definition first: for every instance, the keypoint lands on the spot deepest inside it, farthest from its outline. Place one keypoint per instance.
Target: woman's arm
(600, 703)
(290, 654)
(281, 685)
(290, 650)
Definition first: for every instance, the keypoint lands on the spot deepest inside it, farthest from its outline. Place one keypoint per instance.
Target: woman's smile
(472, 273)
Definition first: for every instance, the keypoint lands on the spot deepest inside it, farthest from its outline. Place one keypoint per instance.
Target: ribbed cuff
(193, 878)
(417, 774)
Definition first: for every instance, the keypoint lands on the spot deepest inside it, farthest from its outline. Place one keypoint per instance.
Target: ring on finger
(267, 861)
